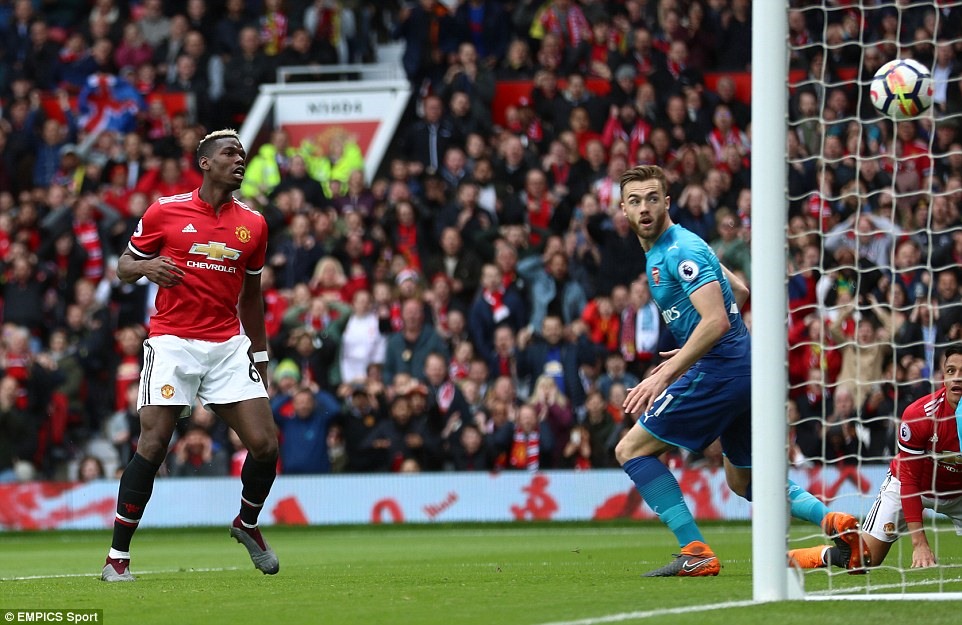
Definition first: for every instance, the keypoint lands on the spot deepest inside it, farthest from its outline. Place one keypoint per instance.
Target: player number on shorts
(252, 372)
(663, 405)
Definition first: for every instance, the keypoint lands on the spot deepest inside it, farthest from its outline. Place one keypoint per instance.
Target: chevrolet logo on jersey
(215, 251)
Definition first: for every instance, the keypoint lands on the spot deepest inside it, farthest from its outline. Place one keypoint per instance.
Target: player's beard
(648, 233)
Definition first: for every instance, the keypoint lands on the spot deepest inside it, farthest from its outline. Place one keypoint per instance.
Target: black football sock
(834, 557)
(257, 478)
(136, 484)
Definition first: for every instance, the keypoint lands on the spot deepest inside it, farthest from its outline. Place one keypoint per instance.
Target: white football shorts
(885, 520)
(177, 370)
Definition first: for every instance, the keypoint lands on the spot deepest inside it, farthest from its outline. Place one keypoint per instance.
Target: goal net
(874, 247)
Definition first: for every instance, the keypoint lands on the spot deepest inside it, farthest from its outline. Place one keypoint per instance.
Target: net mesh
(875, 247)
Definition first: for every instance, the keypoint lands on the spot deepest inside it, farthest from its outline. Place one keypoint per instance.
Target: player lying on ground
(702, 391)
(925, 473)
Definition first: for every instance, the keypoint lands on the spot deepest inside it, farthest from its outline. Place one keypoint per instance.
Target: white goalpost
(860, 213)
(769, 467)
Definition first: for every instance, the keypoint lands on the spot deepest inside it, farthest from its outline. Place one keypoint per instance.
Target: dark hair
(641, 173)
(206, 146)
(952, 350)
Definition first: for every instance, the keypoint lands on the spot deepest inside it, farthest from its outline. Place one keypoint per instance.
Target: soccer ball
(902, 89)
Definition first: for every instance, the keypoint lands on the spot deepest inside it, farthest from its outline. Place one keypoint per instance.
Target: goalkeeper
(703, 390)
(925, 473)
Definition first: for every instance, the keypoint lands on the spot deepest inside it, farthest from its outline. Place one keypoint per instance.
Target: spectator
(862, 361)
(408, 348)
(244, 72)
(359, 416)
(427, 139)
(526, 443)
(19, 431)
(359, 340)
(473, 78)
(303, 424)
(42, 57)
(551, 291)
(134, 49)
(446, 409)
(446, 314)
(333, 160)
(842, 443)
(429, 33)
(484, 24)
(357, 197)
(459, 263)
(297, 255)
(550, 353)
(729, 246)
(555, 410)
(273, 26)
(403, 436)
(194, 456)
(266, 169)
(153, 23)
(565, 20)
(89, 469)
(736, 37)
(471, 452)
(123, 427)
(516, 64)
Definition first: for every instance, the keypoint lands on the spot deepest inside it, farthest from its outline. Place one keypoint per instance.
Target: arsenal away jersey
(216, 251)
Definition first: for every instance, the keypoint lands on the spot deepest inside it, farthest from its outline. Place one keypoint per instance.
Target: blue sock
(805, 505)
(660, 490)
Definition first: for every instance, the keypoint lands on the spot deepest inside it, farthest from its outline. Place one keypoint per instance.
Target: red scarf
(396, 323)
(495, 300)
(89, 238)
(457, 370)
(525, 450)
(560, 173)
(539, 215)
(407, 244)
(445, 396)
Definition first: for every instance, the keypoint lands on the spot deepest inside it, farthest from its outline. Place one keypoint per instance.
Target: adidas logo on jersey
(189, 228)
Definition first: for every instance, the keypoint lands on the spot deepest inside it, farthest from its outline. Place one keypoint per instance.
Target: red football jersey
(216, 251)
(927, 435)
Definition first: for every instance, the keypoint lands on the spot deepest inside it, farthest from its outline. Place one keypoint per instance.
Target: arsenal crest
(655, 275)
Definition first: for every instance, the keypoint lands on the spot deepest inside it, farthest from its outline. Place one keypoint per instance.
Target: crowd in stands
(481, 304)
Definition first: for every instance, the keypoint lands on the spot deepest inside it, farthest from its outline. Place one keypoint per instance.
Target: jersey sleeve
(693, 264)
(148, 237)
(912, 437)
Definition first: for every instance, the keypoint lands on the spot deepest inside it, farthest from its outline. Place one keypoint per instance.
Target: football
(902, 89)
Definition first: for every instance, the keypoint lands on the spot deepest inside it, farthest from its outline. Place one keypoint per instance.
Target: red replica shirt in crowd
(215, 250)
(928, 429)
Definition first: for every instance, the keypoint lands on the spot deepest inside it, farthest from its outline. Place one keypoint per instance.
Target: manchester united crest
(167, 391)
(242, 233)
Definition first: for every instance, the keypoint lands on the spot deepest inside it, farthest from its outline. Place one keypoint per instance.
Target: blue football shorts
(702, 406)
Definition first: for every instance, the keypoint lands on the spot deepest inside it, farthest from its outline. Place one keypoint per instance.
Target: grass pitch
(517, 574)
